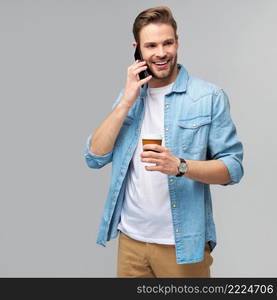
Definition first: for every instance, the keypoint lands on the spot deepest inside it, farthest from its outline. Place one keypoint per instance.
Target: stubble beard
(156, 75)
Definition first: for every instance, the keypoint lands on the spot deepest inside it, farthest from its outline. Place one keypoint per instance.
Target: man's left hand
(165, 161)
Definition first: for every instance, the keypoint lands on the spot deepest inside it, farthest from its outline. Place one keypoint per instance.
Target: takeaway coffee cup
(152, 139)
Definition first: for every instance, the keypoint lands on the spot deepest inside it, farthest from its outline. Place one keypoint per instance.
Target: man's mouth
(161, 64)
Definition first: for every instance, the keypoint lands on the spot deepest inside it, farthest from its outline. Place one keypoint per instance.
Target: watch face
(182, 167)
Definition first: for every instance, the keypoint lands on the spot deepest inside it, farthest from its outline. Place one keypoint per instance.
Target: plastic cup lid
(152, 136)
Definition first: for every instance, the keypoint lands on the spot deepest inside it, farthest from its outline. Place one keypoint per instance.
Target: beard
(164, 74)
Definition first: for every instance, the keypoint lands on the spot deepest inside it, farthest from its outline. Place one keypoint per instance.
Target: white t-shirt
(146, 213)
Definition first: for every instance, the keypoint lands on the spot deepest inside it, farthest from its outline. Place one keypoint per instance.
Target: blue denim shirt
(197, 126)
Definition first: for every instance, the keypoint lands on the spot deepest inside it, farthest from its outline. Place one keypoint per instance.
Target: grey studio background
(62, 63)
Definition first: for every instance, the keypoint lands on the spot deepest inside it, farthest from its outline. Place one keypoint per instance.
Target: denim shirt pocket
(194, 133)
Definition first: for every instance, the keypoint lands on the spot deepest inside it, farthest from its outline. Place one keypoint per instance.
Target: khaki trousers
(139, 259)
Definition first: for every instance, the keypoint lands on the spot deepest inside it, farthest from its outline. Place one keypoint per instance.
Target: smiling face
(158, 46)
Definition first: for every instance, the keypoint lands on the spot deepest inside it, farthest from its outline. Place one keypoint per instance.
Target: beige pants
(139, 259)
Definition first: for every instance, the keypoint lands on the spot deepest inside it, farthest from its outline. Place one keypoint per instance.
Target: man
(159, 200)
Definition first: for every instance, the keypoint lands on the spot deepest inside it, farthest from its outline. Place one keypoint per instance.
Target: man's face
(158, 46)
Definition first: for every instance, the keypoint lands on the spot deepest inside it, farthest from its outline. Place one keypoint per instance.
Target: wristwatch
(182, 168)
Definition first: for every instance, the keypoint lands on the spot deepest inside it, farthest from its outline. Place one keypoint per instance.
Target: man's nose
(160, 52)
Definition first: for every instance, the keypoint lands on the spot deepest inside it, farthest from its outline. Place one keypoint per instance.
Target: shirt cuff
(94, 160)
(234, 168)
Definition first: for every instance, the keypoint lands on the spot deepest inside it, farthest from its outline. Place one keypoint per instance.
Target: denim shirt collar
(179, 86)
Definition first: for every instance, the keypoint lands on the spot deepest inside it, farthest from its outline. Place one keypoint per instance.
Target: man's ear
(134, 44)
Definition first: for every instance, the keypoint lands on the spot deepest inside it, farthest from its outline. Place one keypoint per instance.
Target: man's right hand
(104, 137)
(133, 82)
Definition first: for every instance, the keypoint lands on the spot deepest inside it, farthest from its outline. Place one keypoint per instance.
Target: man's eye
(150, 46)
(168, 43)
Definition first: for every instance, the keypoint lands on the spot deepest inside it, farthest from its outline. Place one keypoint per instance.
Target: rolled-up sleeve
(98, 161)
(223, 143)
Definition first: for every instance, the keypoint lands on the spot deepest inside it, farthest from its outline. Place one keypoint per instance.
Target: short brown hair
(159, 14)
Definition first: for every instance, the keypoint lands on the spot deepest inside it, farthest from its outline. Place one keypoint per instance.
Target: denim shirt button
(177, 230)
(171, 180)
(174, 205)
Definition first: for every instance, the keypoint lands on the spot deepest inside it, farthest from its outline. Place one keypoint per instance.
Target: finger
(154, 147)
(150, 154)
(145, 80)
(151, 160)
(137, 71)
(138, 63)
(154, 168)
(135, 65)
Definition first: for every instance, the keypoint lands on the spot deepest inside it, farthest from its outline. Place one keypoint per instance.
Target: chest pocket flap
(195, 122)
(193, 133)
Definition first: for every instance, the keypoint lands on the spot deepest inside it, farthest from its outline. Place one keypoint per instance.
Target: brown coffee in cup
(152, 139)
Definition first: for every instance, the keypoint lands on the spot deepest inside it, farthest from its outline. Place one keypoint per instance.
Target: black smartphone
(138, 56)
